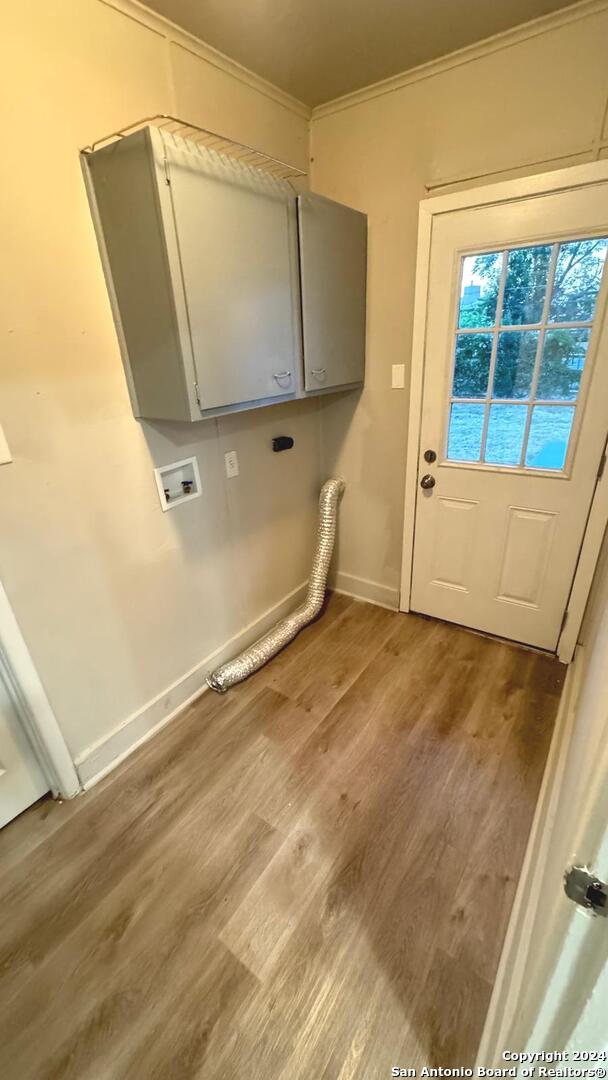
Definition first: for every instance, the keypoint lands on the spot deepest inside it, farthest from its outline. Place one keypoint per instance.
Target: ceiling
(317, 50)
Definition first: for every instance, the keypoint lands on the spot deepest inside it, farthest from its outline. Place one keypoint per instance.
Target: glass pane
(505, 434)
(479, 289)
(526, 285)
(564, 353)
(578, 276)
(549, 435)
(515, 363)
(464, 438)
(472, 365)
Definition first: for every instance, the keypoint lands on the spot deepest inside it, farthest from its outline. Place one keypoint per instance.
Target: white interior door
(515, 410)
(21, 779)
(552, 982)
(571, 1012)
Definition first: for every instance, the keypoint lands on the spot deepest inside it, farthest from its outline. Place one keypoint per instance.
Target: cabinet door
(236, 233)
(333, 259)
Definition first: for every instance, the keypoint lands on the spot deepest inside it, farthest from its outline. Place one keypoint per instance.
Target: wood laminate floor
(309, 876)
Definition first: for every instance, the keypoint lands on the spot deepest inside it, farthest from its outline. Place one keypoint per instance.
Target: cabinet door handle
(317, 371)
(282, 375)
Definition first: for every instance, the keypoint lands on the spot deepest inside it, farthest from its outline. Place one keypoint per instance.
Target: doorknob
(427, 481)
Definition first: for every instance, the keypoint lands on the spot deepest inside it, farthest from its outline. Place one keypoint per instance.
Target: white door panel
(454, 527)
(528, 541)
(497, 538)
(21, 779)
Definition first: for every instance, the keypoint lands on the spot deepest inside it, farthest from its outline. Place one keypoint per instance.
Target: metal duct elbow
(258, 654)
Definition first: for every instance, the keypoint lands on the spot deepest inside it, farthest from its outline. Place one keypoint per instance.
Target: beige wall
(501, 110)
(117, 600)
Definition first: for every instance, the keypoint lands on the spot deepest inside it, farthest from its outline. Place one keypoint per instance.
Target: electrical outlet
(398, 380)
(232, 464)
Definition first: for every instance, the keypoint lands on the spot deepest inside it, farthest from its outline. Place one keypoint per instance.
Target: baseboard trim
(102, 757)
(363, 589)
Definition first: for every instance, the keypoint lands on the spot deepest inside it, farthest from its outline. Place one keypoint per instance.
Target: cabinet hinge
(198, 396)
(564, 621)
(586, 889)
(166, 170)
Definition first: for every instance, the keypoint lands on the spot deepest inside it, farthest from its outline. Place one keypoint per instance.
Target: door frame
(33, 708)
(506, 191)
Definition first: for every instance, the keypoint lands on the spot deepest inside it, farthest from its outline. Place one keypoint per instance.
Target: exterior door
(21, 779)
(514, 412)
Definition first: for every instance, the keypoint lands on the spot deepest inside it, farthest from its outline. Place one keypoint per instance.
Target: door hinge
(564, 621)
(586, 890)
(198, 396)
(602, 465)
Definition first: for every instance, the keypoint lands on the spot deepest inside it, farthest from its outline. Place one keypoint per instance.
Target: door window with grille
(524, 321)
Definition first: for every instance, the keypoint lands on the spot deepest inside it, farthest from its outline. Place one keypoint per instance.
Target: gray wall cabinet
(220, 278)
(333, 265)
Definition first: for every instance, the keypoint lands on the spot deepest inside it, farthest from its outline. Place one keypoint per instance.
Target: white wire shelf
(204, 137)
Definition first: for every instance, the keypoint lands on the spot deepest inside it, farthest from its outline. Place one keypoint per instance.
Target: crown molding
(504, 40)
(172, 33)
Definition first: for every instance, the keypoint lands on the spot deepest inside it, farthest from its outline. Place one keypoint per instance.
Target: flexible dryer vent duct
(286, 630)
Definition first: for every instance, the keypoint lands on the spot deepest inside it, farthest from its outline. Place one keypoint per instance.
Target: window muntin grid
(512, 374)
